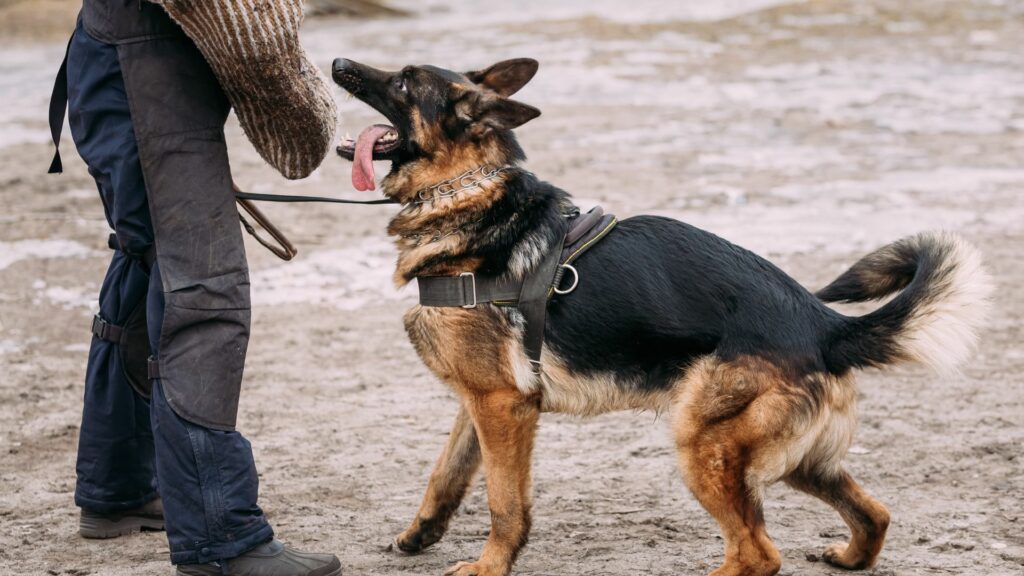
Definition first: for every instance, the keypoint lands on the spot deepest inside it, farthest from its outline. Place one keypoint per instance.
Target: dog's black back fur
(657, 294)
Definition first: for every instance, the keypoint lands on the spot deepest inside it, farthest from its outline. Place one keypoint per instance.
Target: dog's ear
(483, 112)
(506, 77)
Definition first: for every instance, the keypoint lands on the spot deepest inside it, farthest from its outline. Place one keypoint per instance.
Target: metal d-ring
(575, 280)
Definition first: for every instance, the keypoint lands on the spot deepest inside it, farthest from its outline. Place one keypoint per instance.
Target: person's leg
(115, 450)
(208, 478)
(115, 466)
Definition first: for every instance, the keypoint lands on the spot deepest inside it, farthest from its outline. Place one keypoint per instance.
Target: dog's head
(442, 122)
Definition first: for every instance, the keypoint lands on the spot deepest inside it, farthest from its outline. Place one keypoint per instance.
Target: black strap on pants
(58, 108)
(106, 331)
(147, 258)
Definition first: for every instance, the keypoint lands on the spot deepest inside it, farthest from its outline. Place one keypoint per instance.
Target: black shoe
(270, 559)
(149, 516)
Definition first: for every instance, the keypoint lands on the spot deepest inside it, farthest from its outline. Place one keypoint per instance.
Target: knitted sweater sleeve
(282, 100)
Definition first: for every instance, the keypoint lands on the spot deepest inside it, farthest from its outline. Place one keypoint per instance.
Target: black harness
(530, 294)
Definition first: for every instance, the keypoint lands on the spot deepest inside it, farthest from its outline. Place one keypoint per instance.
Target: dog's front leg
(506, 423)
(448, 484)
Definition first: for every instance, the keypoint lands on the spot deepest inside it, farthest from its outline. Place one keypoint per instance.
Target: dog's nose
(341, 65)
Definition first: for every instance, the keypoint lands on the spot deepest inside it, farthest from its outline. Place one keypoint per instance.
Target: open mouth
(376, 142)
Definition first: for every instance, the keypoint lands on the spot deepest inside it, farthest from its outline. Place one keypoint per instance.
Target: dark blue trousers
(131, 451)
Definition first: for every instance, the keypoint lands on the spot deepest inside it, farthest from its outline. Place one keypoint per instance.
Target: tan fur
(867, 518)
(448, 484)
(446, 214)
(773, 428)
(564, 391)
(466, 348)
(469, 350)
(506, 423)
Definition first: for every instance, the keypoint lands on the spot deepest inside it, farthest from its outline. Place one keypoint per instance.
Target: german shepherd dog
(756, 372)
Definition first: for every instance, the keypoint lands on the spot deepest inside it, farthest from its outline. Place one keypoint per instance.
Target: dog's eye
(400, 85)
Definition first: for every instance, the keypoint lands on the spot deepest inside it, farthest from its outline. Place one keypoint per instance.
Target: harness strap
(582, 239)
(147, 258)
(466, 290)
(58, 106)
(106, 331)
(576, 234)
(533, 300)
(583, 224)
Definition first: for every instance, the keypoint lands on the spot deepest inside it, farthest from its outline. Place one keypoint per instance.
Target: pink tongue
(362, 161)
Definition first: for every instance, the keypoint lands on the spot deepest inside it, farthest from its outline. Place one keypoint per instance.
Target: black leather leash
(287, 198)
(278, 243)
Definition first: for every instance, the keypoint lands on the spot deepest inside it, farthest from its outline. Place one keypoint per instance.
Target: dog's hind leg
(716, 476)
(506, 423)
(718, 436)
(449, 481)
(867, 518)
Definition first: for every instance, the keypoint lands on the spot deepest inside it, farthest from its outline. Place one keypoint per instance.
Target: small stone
(811, 557)
(1012, 558)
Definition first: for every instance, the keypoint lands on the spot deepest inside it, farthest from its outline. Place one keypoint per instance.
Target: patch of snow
(11, 252)
(346, 278)
(69, 298)
(9, 347)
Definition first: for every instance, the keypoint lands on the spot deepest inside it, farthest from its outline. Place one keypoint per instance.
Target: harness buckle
(105, 330)
(536, 367)
(471, 290)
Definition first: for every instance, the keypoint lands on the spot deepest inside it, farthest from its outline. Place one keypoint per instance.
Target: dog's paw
(419, 536)
(841, 556)
(406, 543)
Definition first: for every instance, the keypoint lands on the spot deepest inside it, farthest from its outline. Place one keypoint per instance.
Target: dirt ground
(809, 132)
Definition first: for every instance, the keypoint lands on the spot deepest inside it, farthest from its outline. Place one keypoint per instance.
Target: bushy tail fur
(942, 302)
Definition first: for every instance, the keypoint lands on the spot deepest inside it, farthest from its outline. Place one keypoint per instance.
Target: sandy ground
(808, 132)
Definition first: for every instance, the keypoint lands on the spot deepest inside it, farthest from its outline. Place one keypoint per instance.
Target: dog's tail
(942, 301)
